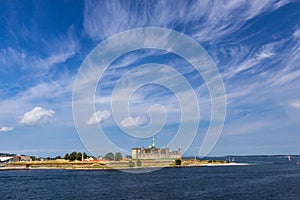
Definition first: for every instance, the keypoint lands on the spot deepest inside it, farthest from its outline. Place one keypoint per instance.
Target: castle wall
(135, 153)
(164, 153)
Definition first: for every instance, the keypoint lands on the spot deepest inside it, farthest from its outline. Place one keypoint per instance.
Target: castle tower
(153, 142)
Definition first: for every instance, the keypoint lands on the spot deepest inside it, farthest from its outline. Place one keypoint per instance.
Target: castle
(155, 153)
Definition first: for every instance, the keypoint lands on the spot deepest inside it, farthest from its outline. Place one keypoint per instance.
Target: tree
(109, 156)
(178, 162)
(79, 156)
(118, 156)
(73, 156)
(57, 157)
(131, 164)
(85, 155)
(67, 156)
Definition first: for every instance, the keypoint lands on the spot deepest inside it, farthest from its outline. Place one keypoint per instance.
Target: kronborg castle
(155, 153)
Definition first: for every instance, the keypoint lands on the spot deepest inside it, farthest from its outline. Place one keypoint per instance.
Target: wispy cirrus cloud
(33, 76)
(273, 66)
(256, 71)
(56, 94)
(218, 19)
(30, 68)
(255, 45)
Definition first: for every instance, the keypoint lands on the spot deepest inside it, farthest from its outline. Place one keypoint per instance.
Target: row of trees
(111, 156)
(73, 156)
(78, 156)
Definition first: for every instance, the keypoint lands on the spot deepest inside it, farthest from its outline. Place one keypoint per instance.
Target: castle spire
(153, 142)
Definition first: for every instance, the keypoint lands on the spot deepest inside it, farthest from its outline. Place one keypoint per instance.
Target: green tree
(118, 156)
(57, 157)
(85, 155)
(178, 162)
(73, 156)
(67, 156)
(131, 164)
(79, 156)
(109, 156)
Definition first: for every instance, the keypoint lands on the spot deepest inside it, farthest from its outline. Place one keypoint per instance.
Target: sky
(254, 45)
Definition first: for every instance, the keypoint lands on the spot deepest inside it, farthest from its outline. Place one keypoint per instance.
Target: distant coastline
(115, 165)
(136, 164)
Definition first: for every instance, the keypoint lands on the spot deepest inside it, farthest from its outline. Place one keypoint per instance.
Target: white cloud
(103, 19)
(60, 90)
(296, 105)
(19, 62)
(133, 121)
(6, 129)
(98, 117)
(37, 116)
(297, 33)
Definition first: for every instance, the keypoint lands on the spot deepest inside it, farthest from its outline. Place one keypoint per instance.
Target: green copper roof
(153, 142)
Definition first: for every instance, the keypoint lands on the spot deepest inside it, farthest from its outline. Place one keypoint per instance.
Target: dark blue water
(279, 181)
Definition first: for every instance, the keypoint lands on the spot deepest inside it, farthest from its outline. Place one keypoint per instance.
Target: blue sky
(254, 44)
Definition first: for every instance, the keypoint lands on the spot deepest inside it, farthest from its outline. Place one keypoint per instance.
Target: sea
(259, 180)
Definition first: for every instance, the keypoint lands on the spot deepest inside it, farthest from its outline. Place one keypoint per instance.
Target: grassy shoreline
(111, 165)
